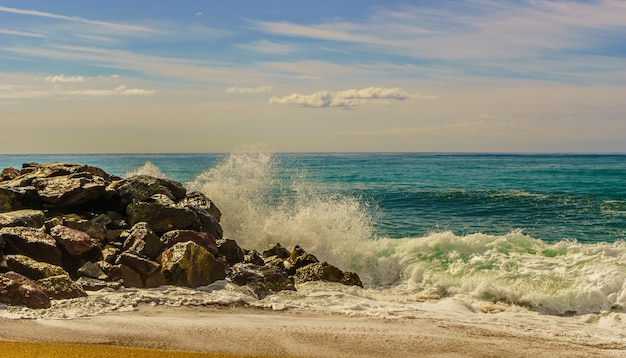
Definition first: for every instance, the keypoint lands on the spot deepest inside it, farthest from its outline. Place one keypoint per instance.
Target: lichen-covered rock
(9, 174)
(92, 270)
(19, 290)
(262, 280)
(197, 199)
(191, 265)
(61, 287)
(31, 242)
(203, 239)
(75, 242)
(94, 229)
(25, 217)
(31, 268)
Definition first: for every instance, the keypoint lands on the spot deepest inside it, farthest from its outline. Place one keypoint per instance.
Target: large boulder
(31, 242)
(19, 290)
(32, 268)
(26, 217)
(162, 214)
(61, 287)
(71, 190)
(75, 242)
(191, 265)
(199, 200)
(262, 280)
(142, 266)
(143, 187)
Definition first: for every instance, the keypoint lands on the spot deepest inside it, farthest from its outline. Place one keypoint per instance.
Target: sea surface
(540, 233)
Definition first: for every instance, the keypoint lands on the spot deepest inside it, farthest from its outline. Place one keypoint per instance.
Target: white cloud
(63, 78)
(347, 98)
(248, 90)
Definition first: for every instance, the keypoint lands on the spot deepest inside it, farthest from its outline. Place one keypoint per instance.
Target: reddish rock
(31, 242)
(18, 290)
(75, 242)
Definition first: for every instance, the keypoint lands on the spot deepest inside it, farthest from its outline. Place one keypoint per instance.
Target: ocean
(536, 233)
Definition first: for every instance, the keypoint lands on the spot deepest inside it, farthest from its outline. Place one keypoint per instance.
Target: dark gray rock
(276, 250)
(162, 214)
(143, 187)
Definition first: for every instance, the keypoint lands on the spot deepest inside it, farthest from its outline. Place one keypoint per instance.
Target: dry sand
(254, 331)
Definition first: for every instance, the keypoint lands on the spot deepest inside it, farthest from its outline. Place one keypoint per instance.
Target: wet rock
(31, 242)
(201, 238)
(26, 217)
(229, 252)
(298, 258)
(75, 242)
(155, 279)
(262, 280)
(253, 257)
(61, 287)
(191, 265)
(31, 268)
(323, 271)
(130, 277)
(19, 290)
(197, 199)
(276, 250)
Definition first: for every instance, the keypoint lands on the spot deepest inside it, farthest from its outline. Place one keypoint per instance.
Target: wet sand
(255, 331)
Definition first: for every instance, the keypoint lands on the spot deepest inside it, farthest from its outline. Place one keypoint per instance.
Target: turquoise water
(544, 231)
(548, 196)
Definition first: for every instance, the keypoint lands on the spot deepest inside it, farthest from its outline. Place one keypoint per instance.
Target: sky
(325, 76)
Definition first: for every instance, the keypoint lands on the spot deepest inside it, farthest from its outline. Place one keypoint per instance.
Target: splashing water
(263, 203)
(147, 169)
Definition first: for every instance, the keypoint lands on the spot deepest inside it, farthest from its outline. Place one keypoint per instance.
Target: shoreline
(252, 331)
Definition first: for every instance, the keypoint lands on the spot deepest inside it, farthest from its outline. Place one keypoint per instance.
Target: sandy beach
(255, 331)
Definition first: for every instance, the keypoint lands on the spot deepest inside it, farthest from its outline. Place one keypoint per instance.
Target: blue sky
(181, 76)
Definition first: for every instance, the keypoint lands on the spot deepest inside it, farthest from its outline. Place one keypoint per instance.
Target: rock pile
(68, 228)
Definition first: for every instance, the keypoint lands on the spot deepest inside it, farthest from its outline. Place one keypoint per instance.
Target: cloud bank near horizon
(347, 98)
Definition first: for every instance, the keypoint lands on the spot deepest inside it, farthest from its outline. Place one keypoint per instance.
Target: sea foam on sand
(320, 319)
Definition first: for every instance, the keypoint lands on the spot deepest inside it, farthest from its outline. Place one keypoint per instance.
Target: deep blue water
(547, 196)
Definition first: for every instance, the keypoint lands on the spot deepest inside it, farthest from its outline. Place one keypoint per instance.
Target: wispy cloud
(268, 47)
(249, 90)
(105, 24)
(347, 98)
(21, 33)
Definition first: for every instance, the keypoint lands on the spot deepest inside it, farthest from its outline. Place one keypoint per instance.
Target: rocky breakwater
(66, 229)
